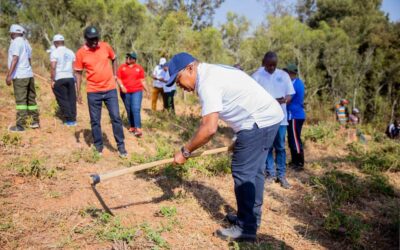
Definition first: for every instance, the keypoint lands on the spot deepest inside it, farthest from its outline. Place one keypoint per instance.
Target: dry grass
(169, 207)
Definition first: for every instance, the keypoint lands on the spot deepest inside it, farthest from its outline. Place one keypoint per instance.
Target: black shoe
(234, 233)
(122, 153)
(298, 168)
(232, 219)
(284, 183)
(270, 179)
(16, 129)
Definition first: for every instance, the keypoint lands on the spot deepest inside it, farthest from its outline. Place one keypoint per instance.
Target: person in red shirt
(132, 77)
(98, 60)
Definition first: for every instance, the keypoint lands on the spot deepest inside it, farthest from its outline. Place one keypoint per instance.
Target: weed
(320, 132)
(168, 211)
(339, 223)
(35, 168)
(380, 157)
(54, 194)
(8, 139)
(339, 187)
(380, 184)
(91, 155)
(154, 236)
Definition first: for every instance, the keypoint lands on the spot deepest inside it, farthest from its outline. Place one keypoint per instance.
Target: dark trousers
(133, 104)
(169, 100)
(295, 143)
(25, 99)
(95, 102)
(248, 165)
(65, 92)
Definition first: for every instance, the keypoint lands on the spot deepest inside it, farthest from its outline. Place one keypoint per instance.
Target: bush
(378, 158)
(351, 227)
(320, 132)
(340, 187)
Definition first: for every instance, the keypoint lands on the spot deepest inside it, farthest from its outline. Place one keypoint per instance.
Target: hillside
(347, 197)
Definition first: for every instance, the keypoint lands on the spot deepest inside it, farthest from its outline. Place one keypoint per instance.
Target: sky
(254, 10)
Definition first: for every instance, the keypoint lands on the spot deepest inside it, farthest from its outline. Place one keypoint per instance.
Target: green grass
(321, 132)
(34, 167)
(9, 139)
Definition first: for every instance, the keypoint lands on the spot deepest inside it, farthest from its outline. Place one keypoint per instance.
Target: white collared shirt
(165, 76)
(238, 99)
(20, 47)
(277, 84)
(64, 58)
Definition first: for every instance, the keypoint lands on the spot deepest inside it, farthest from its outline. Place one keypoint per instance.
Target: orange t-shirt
(96, 62)
(131, 77)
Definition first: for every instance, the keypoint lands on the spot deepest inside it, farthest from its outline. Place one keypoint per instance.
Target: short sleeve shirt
(295, 108)
(131, 77)
(97, 63)
(20, 47)
(158, 72)
(277, 84)
(238, 99)
(64, 58)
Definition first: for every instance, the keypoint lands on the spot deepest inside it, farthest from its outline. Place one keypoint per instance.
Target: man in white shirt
(157, 84)
(62, 79)
(21, 76)
(278, 84)
(233, 96)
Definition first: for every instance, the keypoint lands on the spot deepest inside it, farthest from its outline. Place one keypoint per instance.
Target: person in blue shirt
(296, 118)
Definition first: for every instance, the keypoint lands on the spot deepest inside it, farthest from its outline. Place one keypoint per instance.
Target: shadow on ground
(88, 138)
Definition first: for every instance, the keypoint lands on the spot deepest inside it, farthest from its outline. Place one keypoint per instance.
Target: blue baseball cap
(176, 64)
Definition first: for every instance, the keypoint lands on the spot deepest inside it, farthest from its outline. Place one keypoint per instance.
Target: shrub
(320, 132)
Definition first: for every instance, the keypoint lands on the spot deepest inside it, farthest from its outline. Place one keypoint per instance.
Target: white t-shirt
(165, 76)
(20, 47)
(277, 84)
(238, 99)
(64, 58)
(158, 72)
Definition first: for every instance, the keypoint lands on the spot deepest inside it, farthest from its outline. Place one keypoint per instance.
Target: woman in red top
(132, 77)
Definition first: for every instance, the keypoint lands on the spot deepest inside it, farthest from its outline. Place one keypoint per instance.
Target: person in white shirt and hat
(231, 95)
(158, 74)
(62, 79)
(20, 75)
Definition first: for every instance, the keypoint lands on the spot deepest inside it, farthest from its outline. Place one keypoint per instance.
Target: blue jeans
(279, 146)
(133, 104)
(251, 149)
(95, 102)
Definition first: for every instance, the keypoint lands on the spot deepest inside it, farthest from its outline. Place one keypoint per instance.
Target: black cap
(91, 32)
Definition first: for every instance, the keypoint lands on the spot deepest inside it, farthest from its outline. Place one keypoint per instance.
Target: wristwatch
(186, 153)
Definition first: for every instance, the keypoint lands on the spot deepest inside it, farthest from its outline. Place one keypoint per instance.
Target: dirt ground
(58, 209)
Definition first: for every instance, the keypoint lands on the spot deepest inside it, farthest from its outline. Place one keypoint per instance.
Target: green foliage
(380, 157)
(379, 183)
(320, 132)
(35, 168)
(339, 187)
(168, 211)
(154, 236)
(352, 227)
(9, 139)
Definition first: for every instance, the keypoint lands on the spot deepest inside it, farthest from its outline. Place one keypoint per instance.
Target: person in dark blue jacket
(296, 118)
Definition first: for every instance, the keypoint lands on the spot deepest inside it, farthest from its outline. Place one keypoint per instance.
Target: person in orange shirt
(95, 58)
(132, 77)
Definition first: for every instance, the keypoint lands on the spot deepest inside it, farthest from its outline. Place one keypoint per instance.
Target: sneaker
(122, 153)
(16, 128)
(34, 125)
(284, 183)
(70, 124)
(131, 130)
(234, 233)
(232, 219)
(270, 179)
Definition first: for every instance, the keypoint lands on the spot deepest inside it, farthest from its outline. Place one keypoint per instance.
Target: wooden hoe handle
(96, 178)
